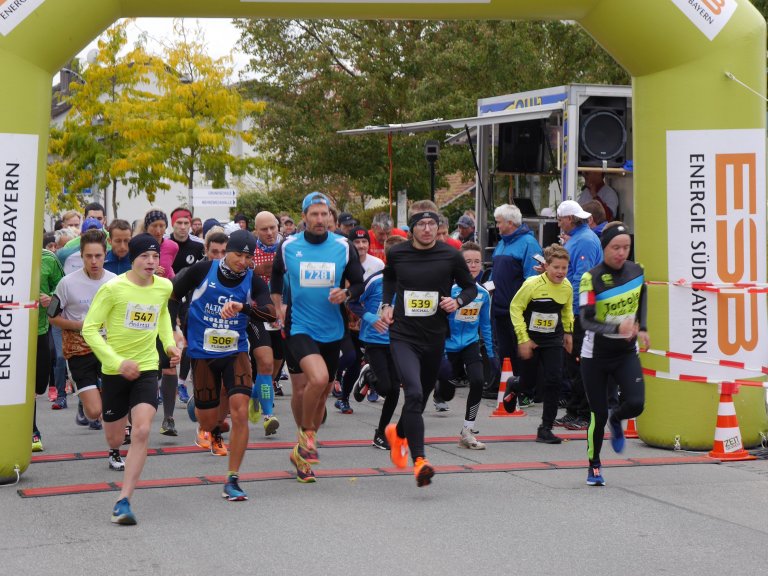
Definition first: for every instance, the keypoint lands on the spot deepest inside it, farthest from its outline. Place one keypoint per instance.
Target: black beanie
(142, 243)
(241, 241)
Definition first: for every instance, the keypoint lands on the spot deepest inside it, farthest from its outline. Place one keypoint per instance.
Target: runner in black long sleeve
(420, 273)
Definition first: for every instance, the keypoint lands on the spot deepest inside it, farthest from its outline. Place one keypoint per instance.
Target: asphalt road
(517, 507)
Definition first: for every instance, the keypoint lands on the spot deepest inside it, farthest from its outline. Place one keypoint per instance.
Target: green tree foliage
(321, 76)
(104, 139)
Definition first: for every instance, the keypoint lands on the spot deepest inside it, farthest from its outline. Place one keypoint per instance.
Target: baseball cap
(358, 233)
(208, 224)
(91, 223)
(347, 218)
(241, 241)
(466, 222)
(314, 198)
(572, 208)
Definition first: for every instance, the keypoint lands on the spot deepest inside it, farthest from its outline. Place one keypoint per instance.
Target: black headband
(611, 233)
(423, 216)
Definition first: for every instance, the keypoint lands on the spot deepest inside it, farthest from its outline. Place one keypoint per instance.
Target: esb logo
(709, 16)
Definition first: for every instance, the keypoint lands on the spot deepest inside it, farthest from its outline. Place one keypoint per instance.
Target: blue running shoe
(595, 476)
(121, 513)
(232, 490)
(617, 435)
(80, 418)
(94, 424)
(373, 395)
(183, 394)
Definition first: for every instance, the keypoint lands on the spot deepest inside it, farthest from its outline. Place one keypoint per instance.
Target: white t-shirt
(371, 265)
(76, 292)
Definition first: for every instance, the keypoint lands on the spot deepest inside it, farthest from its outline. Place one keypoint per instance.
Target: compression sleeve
(264, 309)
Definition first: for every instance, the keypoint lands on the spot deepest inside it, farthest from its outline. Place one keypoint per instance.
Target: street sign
(214, 197)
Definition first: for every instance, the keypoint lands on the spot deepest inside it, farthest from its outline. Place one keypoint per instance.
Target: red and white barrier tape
(717, 287)
(703, 379)
(692, 358)
(18, 305)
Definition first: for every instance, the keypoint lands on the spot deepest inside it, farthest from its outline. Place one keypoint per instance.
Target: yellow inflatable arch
(698, 71)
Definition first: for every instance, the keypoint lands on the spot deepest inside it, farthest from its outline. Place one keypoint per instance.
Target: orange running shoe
(423, 471)
(304, 473)
(203, 439)
(308, 446)
(398, 451)
(217, 446)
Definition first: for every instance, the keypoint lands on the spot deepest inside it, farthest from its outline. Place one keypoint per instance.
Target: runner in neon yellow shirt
(134, 310)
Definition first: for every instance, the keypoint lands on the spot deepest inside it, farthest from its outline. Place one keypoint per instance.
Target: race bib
(469, 313)
(220, 340)
(142, 316)
(611, 319)
(542, 323)
(317, 274)
(418, 303)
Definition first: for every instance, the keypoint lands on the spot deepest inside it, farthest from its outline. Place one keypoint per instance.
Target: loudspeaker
(603, 132)
(521, 147)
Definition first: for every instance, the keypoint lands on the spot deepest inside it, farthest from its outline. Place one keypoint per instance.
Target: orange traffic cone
(631, 431)
(506, 372)
(728, 444)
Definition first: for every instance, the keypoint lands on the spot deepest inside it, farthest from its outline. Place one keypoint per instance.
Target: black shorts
(257, 336)
(208, 375)
(301, 345)
(278, 344)
(85, 372)
(165, 361)
(119, 396)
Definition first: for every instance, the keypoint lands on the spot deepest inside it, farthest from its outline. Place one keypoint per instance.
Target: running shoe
(159, 398)
(567, 418)
(115, 461)
(617, 435)
(524, 401)
(283, 375)
(254, 410)
(217, 445)
(595, 476)
(308, 446)
(203, 439)
(80, 418)
(468, 440)
(59, 404)
(545, 436)
(121, 513)
(183, 393)
(373, 396)
(398, 452)
(168, 427)
(360, 389)
(380, 441)
(278, 388)
(336, 389)
(127, 437)
(52, 394)
(232, 490)
(304, 473)
(509, 401)
(37, 442)
(577, 424)
(94, 424)
(271, 425)
(562, 403)
(441, 406)
(343, 406)
(423, 471)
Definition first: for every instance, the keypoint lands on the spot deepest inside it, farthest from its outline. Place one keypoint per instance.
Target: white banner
(709, 16)
(18, 189)
(716, 220)
(12, 12)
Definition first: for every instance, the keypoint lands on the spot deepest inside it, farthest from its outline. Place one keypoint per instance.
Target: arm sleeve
(96, 316)
(517, 308)
(464, 279)
(485, 325)
(264, 309)
(278, 271)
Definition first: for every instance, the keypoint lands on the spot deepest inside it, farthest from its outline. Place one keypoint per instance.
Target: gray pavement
(681, 519)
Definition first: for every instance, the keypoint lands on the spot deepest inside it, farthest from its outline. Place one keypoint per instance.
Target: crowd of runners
(179, 311)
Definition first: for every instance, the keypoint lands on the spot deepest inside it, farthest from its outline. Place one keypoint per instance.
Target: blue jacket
(367, 308)
(512, 263)
(116, 265)
(585, 251)
(466, 322)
